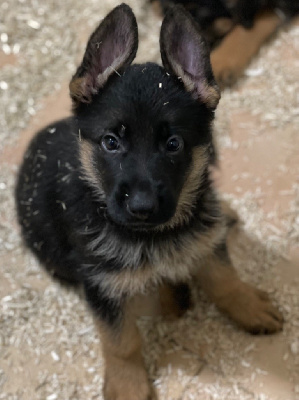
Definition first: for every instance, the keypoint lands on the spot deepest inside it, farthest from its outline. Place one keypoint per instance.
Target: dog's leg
(232, 56)
(175, 300)
(246, 305)
(125, 375)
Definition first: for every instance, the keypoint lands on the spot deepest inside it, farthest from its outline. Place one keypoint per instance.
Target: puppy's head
(145, 130)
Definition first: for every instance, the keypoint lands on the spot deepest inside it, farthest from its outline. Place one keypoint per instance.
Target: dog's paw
(252, 309)
(229, 63)
(226, 71)
(128, 383)
(227, 77)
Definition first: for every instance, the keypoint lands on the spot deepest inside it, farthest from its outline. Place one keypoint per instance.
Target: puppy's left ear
(185, 54)
(111, 47)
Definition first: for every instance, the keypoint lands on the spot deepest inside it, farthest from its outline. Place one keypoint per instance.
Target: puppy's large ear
(185, 54)
(111, 47)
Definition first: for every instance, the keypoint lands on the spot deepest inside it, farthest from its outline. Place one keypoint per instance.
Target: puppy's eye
(110, 143)
(174, 144)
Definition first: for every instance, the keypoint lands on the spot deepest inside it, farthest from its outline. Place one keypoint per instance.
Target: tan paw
(227, 77)
(226, 71)
(252, 309)
(130, 382)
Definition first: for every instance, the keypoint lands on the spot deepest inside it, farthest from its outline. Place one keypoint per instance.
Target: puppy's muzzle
(142, 204)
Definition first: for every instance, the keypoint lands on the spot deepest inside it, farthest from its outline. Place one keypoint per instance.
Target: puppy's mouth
(135, 225)
(142, 225)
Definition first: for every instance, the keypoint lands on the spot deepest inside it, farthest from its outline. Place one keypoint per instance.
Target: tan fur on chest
(167, 264)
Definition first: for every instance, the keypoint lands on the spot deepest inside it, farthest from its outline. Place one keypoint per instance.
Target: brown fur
(86, 158)
(222, 26)
(76, 89)
(168, 265)
(190, 188)
(126, 377)
(232, 56)
(209, 94)
(246, 305)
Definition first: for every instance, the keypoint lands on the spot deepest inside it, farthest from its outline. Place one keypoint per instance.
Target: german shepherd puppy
(119, 197)
(236, 29)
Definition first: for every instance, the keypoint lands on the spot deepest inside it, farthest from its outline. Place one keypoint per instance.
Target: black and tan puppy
(119, 197)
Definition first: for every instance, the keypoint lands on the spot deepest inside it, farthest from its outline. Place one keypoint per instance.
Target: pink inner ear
(186, 52)
(110, 50)
(188, 58)
(115, 46)
(111, 47)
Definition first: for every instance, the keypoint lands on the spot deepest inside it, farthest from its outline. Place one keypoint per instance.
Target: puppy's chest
(144, 265)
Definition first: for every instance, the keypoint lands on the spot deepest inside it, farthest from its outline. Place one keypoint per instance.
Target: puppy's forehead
(145, 99)
(149, 77)
(148, 88)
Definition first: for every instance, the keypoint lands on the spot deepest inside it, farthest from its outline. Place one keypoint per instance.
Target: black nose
(142, 204)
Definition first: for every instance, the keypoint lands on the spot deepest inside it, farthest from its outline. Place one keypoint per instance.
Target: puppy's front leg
(246, 305)
(125, 374)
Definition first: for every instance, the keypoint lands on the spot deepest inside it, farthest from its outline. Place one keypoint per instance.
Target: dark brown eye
(174, 144)
(110, 143)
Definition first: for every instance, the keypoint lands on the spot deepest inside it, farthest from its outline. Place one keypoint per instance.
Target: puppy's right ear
(111, 47)
(185, 54)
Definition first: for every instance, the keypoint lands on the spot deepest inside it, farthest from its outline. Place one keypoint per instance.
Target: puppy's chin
(141, 226)
(126, 222)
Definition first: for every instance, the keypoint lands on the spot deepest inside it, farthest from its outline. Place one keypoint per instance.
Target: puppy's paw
(252, 309)
(226, 70)
(128, 383)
